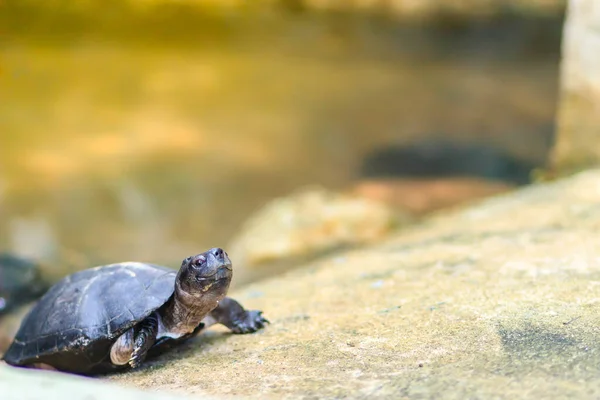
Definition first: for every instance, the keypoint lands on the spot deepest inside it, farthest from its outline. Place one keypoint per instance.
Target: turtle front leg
(231, 314)
(144, 340)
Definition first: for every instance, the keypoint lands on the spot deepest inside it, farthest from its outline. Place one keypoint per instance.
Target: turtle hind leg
(239, 320)
(121, 350)
(144, 340)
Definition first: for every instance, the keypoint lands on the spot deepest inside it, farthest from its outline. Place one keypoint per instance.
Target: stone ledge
(498, 300)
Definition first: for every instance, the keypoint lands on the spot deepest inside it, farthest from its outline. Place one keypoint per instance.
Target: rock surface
(306, 224)
(423, 196)
(579, 117)
(500, 300)
(20, 384)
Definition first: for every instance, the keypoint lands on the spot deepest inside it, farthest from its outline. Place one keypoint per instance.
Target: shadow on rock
(531, 348)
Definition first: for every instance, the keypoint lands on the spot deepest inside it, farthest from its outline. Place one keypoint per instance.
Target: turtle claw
(138, 356)
(252, 322)
(136, 359)
(144, 340)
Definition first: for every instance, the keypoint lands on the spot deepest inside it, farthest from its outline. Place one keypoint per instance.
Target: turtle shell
(75, 323)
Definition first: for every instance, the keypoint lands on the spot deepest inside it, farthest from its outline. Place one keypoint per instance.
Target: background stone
(578, 144)
(304, 225)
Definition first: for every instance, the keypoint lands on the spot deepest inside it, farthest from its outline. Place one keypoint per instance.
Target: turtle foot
(252, 321)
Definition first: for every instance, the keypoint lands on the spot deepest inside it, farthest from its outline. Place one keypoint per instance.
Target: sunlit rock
(306, 224)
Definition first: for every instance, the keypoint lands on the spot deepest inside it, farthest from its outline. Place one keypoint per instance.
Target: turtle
(20, 282)
(112, 317)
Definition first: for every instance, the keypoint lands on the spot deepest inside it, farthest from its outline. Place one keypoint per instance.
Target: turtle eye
(201, 259)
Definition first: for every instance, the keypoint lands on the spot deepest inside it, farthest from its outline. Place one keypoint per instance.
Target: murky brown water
(133, 151)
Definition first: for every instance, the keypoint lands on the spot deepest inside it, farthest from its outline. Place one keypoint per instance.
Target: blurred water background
(150, 130)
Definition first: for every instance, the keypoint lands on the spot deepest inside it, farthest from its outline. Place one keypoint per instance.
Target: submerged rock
(500, 300)
(443, 158)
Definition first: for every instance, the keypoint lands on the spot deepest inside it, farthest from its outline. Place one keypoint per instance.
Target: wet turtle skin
(20, 282)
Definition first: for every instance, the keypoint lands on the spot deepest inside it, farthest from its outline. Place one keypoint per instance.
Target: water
(137, 149)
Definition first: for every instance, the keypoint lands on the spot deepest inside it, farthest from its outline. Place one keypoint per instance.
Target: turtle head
(208, 273)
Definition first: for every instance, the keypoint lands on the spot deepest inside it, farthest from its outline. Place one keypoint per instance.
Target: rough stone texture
(303, 225)
(578, 141)
(19, 384)
(500, 300)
